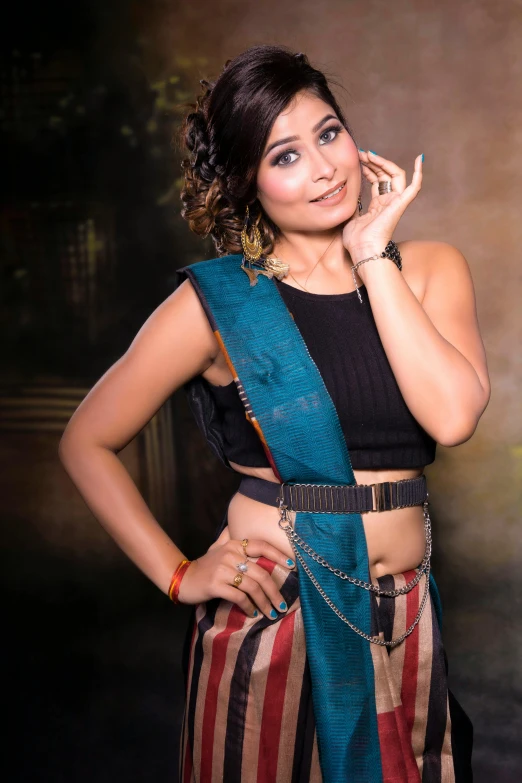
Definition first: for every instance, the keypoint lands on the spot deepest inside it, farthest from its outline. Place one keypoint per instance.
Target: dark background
(90, 238)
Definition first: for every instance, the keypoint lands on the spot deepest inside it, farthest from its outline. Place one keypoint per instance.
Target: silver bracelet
(391, 251)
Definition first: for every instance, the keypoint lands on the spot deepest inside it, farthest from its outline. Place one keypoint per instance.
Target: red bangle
(175, 582)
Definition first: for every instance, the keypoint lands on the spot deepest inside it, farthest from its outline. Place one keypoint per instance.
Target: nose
(321, 166)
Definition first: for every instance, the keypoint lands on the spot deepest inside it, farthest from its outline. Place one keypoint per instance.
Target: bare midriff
(395, 539)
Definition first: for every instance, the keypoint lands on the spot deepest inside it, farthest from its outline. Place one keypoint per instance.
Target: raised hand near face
(370, 232)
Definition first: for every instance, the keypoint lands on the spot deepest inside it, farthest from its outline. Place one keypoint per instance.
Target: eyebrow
(295, 138)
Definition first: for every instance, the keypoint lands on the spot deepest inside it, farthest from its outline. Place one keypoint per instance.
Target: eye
(336, 129)
(284, 155)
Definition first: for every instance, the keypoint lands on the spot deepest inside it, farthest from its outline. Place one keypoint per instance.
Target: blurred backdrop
(91, 237)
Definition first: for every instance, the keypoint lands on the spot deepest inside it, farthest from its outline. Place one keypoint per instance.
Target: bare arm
(434, 347)
(175, 344)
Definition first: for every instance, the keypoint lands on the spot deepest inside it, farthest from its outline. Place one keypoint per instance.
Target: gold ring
(244, 544)
(238, 579)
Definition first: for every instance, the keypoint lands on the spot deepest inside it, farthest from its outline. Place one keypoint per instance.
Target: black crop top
(343, 340)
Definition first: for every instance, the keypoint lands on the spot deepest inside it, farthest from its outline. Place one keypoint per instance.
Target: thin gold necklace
(313, 268)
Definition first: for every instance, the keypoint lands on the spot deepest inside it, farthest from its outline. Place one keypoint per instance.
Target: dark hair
(226, 134)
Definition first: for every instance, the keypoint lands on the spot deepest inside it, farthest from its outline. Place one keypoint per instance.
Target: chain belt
(345, 499)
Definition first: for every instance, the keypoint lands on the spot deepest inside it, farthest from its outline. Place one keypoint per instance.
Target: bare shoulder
(424, 261)
(441, 272)
(180, 322)
(174, 344)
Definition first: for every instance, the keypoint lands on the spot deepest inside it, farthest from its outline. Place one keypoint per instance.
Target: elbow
(461, 425)
(66, 448)
(459, 432)
(72, 445)
(76, 446)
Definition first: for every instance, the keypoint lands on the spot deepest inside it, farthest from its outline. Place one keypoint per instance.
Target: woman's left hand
(368, 234)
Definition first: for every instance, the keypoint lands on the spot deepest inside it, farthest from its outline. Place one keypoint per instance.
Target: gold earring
(251, 250)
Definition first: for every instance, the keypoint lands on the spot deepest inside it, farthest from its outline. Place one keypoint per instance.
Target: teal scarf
(300, 429)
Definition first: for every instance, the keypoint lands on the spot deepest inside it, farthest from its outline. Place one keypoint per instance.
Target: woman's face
(292, 174)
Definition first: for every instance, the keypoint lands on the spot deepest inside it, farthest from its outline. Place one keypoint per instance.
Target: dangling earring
(359, 204)
(251, 250)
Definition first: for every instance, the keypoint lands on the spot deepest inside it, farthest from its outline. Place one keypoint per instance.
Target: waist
(337, 499)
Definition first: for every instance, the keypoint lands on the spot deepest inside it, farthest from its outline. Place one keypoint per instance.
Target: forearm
(439, 385)
(114, 499)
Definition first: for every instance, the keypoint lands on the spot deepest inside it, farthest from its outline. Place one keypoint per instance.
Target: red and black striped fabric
(249, 714)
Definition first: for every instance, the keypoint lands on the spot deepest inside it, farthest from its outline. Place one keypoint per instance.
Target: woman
(324, 363)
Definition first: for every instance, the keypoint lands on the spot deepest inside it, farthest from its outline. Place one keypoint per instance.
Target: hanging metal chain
(373, 639)
(294, 538)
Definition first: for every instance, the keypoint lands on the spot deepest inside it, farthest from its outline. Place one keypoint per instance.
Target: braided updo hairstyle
(226, 134)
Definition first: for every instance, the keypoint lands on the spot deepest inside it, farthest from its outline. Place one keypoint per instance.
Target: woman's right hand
(212, 576)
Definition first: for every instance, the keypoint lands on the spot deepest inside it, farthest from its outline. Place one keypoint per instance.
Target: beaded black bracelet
(392, 252)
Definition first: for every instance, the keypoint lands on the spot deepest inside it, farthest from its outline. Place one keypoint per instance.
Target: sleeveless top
(343, 340)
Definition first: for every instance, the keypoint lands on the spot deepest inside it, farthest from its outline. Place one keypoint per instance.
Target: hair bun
(197, 141)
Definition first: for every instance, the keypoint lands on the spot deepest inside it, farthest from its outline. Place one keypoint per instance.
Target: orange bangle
(175, 582)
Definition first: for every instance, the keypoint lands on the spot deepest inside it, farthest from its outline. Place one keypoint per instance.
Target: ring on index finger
(242, 567)
(244, 544)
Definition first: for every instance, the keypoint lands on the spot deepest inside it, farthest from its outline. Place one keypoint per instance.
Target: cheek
(348, 153)
(280, 186)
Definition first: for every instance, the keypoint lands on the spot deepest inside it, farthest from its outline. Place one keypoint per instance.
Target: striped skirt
(249, 714)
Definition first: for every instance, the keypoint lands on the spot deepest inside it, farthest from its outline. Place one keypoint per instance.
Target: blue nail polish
(360, 150)
(422, 157)
(290, 562)
(273, 613)
(373, 153)
(282, 605)
(255, 612)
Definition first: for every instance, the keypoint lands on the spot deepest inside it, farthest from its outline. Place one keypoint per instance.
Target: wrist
(374, 268)
(366, 251)
(175, 581)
